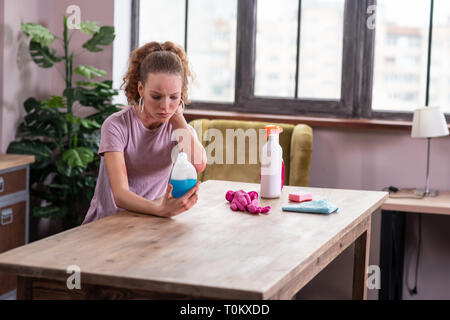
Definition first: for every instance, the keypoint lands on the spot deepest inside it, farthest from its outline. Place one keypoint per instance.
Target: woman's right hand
(171, 206)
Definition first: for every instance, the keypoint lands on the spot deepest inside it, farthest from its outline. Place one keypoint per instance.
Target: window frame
(356, 75)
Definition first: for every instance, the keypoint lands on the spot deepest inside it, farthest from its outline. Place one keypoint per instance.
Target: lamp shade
(429, 122)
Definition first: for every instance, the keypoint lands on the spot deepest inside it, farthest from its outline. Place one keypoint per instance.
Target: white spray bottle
(272, 165)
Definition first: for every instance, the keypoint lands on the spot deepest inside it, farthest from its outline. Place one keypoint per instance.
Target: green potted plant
(63, 178)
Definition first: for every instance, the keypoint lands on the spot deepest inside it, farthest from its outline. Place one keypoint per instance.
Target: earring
(182, 107)
(141, 104)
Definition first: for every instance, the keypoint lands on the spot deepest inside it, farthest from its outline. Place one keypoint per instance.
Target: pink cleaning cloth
(243, 201)
(300, 196)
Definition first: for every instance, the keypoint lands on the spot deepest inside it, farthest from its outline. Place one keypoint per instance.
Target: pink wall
(371, 160)
(101, 11)
(21, 77)
(376, 159)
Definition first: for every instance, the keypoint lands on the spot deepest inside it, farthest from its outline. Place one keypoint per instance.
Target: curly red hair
(155, 57)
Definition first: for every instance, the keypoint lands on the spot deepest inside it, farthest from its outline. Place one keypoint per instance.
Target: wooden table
(206, 252)
(392, 246)
(8, 161)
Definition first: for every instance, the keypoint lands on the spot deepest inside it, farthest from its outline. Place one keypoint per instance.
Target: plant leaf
(49, 212)
(90, 181)
(43, 56)
(89, 27)
(90, 124)
(89, 72)
(37, 148)
(103, 37)
(92, 84)
(30, 104)
(39, 122)
(68, 171)
(72, 119)
(86, 155)
(38, 33)
(86, 123)
(55, 102)
(44, 195)
(98, 98)
(104, 113)
(78, 157)
(91, 140)
(59, 186)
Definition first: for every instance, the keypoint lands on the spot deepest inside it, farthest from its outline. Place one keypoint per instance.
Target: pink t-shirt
(147, 154)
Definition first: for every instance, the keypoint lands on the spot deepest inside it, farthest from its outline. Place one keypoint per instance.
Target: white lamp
(429, 122)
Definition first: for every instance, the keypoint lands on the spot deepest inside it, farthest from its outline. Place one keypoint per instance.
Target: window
(321, 41)
(276, 36)
(162, 20)
(419, 53)
(313, 60)
(340, 58)
(440, 53)
(207, 31)
(407, 22)
(211, 46)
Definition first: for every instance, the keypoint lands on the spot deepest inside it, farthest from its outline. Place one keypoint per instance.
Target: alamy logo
(74, 18)
(232, 148)
(374, 277)
(74, 280)
(372, 10)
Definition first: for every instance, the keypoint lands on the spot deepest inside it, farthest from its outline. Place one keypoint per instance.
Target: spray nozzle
(272, 129)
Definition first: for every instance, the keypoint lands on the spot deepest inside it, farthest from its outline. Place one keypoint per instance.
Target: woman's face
(162, 96)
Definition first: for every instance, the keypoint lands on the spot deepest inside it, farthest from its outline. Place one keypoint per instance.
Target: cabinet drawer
(13, 181)
(12, 235)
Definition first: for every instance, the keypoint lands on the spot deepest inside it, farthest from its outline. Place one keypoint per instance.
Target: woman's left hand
(177, 120)
(189, 142)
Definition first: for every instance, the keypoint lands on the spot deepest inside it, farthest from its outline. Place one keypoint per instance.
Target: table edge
(135, 283)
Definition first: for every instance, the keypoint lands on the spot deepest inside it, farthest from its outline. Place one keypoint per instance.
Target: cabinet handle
(7, 216)
(2, 184)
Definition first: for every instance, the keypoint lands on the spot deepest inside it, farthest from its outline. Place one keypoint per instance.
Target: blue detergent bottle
(184, 176)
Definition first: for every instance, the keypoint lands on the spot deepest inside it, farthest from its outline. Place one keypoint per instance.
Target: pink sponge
(300, 196)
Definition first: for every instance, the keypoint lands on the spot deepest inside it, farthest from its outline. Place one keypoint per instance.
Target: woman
(136, 143)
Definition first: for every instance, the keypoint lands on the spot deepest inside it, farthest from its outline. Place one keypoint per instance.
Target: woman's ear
(140, 89)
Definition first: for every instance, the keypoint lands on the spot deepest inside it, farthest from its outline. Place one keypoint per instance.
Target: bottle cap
(272, 129)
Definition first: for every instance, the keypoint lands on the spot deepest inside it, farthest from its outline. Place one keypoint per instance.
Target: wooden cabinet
(14, 207)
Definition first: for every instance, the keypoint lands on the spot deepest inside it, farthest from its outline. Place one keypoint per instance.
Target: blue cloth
(315, 206)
